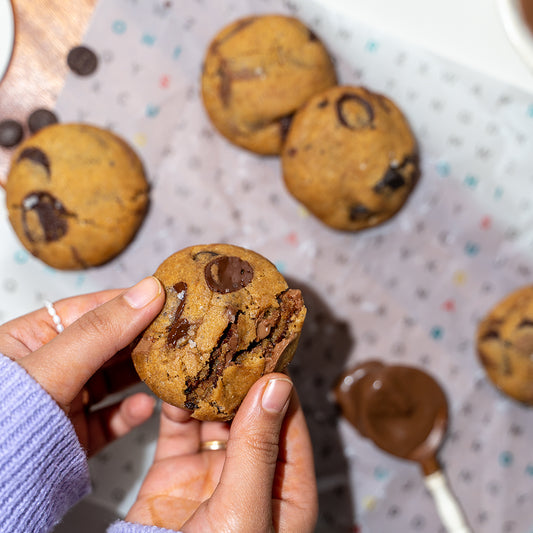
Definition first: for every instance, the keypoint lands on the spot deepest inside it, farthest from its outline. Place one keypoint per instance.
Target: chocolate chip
(526, 323)
(41, 118)
(180, 326)
(351, 122)
(37, 156)
(359, 212)
(82, 60)
(322, 103)
(199, 255)
(491, 334)
(392, 180)
(11, 133)
(312, 36)
(228, 274)
(52, 217)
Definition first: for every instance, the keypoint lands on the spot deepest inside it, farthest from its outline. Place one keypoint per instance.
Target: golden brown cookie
(257, 72)
(350, 158)
(229, 318)
(505, 345)
(76, 195)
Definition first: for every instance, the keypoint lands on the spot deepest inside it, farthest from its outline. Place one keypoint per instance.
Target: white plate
(7, 35)
(517, 30)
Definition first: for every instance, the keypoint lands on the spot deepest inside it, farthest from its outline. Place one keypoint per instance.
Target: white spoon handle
(448, 508)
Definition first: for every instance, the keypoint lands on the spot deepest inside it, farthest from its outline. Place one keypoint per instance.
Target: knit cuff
(128, 527)
(43, 468)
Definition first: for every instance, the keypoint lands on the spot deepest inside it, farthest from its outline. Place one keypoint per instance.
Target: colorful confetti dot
(459, 277)
(449, 305)
(164, 81)
(530, 110)
(148, 39)
(436, 332)
(21, 257)
(506, 458)
(280, 265)
(303, 212)
(371, 46)
(292, 238)
(471, 181)
(119, 27)
(177, 52)
(471, 248)
(443, 168)
(140, 139)
(369, 503)
(486, 222)
(152, 110)
(529, 469)
(381, 473)
(498, 193)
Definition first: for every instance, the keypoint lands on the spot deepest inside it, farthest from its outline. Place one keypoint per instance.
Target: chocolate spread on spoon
(401, 409)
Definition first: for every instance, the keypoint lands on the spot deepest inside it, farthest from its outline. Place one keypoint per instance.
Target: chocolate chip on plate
(11, 133)
(41, 118)
(82, 60)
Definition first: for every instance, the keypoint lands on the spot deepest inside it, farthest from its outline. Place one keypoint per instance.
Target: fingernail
(143, 293)
(276, 395)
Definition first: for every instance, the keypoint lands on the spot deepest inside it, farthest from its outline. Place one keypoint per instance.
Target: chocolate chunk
(490, 335)
(180, 326)
(51, 214)
(349, 121)
(37, 156)
(82, 60)
(41, 118)
(323, 103)
(392, 180)
(11, 133)
(267, 320)
(526, 323)
(359, 212)
(228, 274)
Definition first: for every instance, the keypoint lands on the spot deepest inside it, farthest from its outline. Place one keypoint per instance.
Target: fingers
(180, 434)
(63, 365)
(252, 453)
(27, 333)
(110, 423)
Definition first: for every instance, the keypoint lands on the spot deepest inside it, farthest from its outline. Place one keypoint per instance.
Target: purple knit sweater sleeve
(128, 527)
(43, 468)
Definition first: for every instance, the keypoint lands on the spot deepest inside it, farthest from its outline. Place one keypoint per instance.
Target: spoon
(404, 411)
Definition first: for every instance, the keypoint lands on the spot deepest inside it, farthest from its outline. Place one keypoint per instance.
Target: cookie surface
(350, 158)
(229, 318)
(505, 345)
(76, 195)
(257, 72)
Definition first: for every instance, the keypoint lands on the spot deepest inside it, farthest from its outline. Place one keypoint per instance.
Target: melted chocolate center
(180, 326)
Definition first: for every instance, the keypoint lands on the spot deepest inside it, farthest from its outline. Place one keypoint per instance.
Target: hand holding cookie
(263, 481)
(77, 367)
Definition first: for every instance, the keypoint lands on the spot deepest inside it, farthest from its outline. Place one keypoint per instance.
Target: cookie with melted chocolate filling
(228, 319)
(350, 157)
(76, 195)
(505, 344)
(257, 72)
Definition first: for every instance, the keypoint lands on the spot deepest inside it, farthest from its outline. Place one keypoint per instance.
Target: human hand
(77, 367)
(264, 481)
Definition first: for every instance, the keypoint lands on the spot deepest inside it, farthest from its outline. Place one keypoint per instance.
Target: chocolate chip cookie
(350, 158)
(505, 345)
(76, 195)
(257, 72)
(229, 318)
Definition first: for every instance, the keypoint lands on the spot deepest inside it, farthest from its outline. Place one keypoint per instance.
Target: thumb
(63, 365)
(245, 487)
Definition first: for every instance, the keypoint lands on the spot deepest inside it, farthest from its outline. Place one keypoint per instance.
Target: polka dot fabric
(409, 292)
